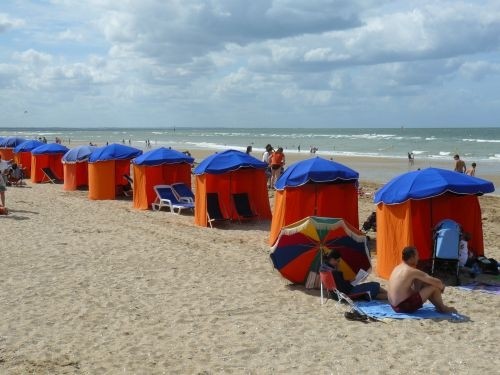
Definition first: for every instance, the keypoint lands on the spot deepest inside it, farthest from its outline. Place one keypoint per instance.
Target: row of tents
(407, 208)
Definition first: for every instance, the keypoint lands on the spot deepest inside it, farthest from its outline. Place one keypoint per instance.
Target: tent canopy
(227, 161)
(114, 151)
(161, 156)
(78, 154)
(428, 183)
(49, 148)
(28, 146)
(11, 141)
(315, 170)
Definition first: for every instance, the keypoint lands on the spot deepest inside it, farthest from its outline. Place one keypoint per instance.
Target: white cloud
(7, 22)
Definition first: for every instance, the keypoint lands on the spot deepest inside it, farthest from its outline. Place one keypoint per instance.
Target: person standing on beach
(409, 287)
(266, 158)
(472, 171)
(277, 161)
(459, 164)
(3, 187)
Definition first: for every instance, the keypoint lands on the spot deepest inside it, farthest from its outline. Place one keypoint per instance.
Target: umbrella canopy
(227, 161)
(49, 148)
(300, 247)
(315, 170)
(161, 156)
(114, 151)
(78, 154)
(28, 146)
(11, 141)
(428, 183)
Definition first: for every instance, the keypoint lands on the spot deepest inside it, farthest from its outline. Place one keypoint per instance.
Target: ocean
(438, 145)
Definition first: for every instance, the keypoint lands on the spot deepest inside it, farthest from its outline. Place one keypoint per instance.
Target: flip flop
(356, 316)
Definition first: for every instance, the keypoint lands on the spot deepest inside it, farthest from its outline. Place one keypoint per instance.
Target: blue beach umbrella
(161, 156)
(428, 183)
(49, 148)
(114, 151)
(28, 146)
(11, 142)
(315, 170)
(227, 161)
(78, 154)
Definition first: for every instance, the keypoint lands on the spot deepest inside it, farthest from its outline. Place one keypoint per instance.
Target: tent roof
(11, 141)
(114, 151)
(28, 145)
(227, 161)
(428, 183)
(49, 148)
(315, 170)
(161, 156)
(78, 154)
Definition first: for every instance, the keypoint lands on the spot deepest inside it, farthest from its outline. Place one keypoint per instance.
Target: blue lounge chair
(165, 197)
(183, 192)
(243, 208)
(446, 244)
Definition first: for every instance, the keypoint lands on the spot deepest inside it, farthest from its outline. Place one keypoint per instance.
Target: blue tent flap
(28, 146)
(49, 148)
(78, 154)
(11, 142)
(315, 170)
(114, 151)
(161, 156)
(227, 161)
(430, 182)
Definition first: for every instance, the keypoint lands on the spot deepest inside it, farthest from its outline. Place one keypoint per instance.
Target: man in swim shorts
(409, 287)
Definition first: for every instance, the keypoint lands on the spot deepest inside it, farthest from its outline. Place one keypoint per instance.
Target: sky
(258, 63)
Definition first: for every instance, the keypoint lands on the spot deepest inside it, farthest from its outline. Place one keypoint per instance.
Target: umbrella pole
(321, 284)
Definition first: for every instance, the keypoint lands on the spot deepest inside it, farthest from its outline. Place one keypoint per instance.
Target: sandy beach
(96, 287)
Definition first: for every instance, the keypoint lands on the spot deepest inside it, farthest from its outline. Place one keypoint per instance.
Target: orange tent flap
(200, 201)
(69, 177)
(102, 180)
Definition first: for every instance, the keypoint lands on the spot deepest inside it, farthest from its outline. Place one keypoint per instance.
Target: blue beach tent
(78, 154)
(227, 161)
(315, 187)
(412, 204)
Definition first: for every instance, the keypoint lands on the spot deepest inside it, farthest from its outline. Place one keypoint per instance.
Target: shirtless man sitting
(409, 287)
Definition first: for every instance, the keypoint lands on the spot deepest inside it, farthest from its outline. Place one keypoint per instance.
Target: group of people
(408, 286)
(10, 174)
(275, 159)
(460, 166)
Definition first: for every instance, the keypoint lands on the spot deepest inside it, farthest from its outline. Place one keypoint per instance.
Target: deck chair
(127, 188)
(214, 212)
(165, 197)
(328, 282)
(243, 207)
(183, 191)
(49, 176)
(446, 245)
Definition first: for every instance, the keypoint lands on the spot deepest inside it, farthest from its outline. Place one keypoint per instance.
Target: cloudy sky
(258, 63)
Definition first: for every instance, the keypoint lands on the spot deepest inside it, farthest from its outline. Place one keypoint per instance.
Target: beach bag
(488, 265)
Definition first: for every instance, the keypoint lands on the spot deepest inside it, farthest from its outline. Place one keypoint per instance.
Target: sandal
(356, 316)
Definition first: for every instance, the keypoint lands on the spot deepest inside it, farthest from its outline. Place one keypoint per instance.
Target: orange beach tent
(106, 168)
(227, 173)
(161, 166)
(315, 187)
(7, 146)
(48, 155)
(75, 166)
(22, 155)
(411, 205)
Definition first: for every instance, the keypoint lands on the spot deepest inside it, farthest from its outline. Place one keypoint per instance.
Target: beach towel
(491, 288)
(382, 310)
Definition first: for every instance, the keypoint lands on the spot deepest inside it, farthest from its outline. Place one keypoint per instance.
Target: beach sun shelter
(7, 146)
(48, 155)
(107, 166)
(231, 172)
(315, 187)
(22, 155)
(410, 205)
(75, 166)
(161, 166)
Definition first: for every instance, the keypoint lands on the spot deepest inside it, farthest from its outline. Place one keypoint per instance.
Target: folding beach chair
(214, 211)
(165, 197)
(127, 188)
(49, 176)
(446, 245)
(243, 208)
(183, 191)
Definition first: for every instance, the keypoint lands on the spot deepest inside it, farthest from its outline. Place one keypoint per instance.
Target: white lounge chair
(166, 197)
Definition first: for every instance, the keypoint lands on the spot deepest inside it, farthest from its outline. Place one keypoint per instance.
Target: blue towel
(381, 310)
